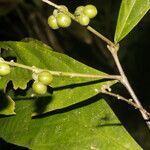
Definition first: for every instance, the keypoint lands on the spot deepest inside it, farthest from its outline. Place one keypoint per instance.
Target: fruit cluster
(83, 15)
(59, 19)
(39, 86)
(44, 79)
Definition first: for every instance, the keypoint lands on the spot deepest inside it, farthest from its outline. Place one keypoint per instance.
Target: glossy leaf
(66, 91)
(131, 12)
(90, 125)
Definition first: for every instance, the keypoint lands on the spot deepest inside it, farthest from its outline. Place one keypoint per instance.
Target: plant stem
(129, 101)
(101, 36)
(126, 83)
(51, 3)
(59, 73)
(113, 48)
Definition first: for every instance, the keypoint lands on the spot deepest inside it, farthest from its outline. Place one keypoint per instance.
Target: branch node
(105, 88)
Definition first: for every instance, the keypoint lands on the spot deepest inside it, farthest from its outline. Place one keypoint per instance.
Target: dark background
(20, 19)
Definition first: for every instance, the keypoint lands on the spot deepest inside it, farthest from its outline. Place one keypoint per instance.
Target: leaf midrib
(126, 19)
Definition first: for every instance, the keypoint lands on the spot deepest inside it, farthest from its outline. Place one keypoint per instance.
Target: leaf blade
(67, 90)
(131, 12)
(75, 123)
(91, 125)
(7, 105)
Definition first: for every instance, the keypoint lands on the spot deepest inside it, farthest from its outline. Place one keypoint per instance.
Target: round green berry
(39, 88)
(45, 77)
(61, 9)
(79, 10)
(52, 22)
(83, 19)
(90, 11)
(63, 20)
(4, 69)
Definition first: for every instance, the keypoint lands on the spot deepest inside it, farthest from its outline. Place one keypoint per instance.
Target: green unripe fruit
(45, 77)
(83, 19)
(4, 69)
(61, 9)
(63, 20)
(90, 11)
(52, 22)
(79, 10)
(39, 88)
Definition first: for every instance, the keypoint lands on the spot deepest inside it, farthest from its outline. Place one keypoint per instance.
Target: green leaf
(7, 105)
(90, 125)
(131, 12)
(19, 77)
(80, 119)
(66, 91)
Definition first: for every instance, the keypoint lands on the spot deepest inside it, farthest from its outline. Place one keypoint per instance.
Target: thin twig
(126, 83)
(129, 101)
(60, 73)
(51, 3)
(113, 48)
(101, 36)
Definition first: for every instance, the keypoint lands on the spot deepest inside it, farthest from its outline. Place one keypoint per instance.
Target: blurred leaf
(131, 12)
(7, 5)
(66, 90)
(81, 33)
(90, 125)
(38, 2)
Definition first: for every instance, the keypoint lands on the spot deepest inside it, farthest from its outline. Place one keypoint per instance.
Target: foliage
(72, 114)
(131, 12)
(67, 92)
(7, 5)
(88, 125)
